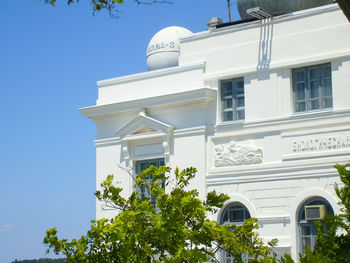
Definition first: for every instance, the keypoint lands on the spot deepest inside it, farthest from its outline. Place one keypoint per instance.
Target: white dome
(163, 50)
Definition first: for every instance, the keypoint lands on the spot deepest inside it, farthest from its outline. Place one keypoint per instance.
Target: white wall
(298, 150)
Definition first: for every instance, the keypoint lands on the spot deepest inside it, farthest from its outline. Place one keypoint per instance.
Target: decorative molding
(169, 100)
(107, 142)
(273, 219)
(142, 130)
(125, 150)
(286, 125)
(183, 106)
(257, 23)
(237, 153)
(199, 130)
(316, 154)
(142, 121)
(275, 172)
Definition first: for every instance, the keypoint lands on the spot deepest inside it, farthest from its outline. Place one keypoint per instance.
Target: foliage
(286, 259)
(41, 260)
(315, 257)
(333, 232)
(110, 5)
(171, 226)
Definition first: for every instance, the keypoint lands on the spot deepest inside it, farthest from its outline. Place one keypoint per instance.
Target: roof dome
(277, 7)
(163, 50)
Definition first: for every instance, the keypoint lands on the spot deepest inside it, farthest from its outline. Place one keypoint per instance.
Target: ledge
(150, 74)
(169, 99)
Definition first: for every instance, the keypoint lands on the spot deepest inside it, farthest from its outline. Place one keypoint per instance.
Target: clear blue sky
(50, 60)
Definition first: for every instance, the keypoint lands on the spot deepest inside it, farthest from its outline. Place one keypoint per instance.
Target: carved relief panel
(237, 153)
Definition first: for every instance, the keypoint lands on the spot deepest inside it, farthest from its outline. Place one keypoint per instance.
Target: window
(232, 99)
(143, 165)
(235, 213)
(307, 228)
(312, 88)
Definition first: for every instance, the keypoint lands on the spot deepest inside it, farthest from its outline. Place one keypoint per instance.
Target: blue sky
(50, 60)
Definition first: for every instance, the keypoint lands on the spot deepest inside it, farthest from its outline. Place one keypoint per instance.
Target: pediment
(144, 129)
(143, 124)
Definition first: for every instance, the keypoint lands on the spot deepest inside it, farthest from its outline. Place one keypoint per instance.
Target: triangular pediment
(143, 129)
(143, 124)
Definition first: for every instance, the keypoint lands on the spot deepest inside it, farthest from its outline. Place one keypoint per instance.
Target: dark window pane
(227, 88)
(225, 218)
(313, 73)
(300, 106)
(240, 84)
(326, 71)
(240, 102)
(300, 91)
(314, 89)
(227, 103)
(236, 215)
(306, 230)
(328, 103)
(239, 91)
(327, 88)
(314, 105)
(300, 75)
(228, 116)
(240, 115)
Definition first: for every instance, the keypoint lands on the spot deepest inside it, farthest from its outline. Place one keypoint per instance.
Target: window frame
(235, 97)
(302, 223)
(138, 170)
(234, 206)
(305, 99)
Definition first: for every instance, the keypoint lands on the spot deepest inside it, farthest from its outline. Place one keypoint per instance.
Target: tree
(110, 5)
(167, 226)
(333, 232)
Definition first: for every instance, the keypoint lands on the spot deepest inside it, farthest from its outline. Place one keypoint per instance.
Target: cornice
(273, 172)
(300, 62)
(143, 136)
(252, 24)
(107, 142)
(200, 130)
(151, 74)
(163, 100)
(285, 124)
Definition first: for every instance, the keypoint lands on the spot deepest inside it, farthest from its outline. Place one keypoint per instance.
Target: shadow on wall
(265, 44)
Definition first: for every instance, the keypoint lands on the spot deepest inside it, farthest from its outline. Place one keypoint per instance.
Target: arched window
(306, 227)
(235, 213)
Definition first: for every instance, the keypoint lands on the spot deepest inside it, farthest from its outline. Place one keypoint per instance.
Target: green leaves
(214, 200)
(170, 225)
(333, 232)
(344, 192)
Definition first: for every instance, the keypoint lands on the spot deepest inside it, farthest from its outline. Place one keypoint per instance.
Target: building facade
(260, 108)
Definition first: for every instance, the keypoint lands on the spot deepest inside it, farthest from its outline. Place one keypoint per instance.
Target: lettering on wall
(321, 144)
(159, 46)
(237, 153)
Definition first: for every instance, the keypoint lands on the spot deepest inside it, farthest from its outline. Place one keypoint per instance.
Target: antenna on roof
(229, 10)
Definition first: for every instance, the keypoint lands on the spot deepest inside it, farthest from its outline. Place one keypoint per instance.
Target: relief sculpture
(237, 153)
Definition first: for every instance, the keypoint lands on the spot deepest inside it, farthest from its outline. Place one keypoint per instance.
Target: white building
(260, 108)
